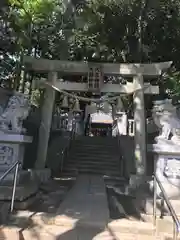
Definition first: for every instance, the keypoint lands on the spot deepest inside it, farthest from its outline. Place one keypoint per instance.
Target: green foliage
(172, 84)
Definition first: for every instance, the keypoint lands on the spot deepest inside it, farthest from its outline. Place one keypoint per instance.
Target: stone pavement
(85, 205)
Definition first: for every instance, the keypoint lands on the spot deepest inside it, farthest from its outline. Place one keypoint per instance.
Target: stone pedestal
(40, 175)
(167, 167)
(12, 148)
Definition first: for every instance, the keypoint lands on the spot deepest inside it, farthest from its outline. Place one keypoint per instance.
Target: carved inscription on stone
(172, 167)
(6, 155)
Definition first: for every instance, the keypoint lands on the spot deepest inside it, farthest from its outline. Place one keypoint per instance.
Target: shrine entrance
(100, 129)
(97, 79)
(100, 123)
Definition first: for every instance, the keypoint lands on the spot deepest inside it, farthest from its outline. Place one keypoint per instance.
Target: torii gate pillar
(46, 118)
(140, 127)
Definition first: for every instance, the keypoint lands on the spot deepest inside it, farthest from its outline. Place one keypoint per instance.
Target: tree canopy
(94, 30)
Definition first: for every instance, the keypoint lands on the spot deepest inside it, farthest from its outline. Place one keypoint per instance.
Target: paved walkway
(85, 205)
(83, 215)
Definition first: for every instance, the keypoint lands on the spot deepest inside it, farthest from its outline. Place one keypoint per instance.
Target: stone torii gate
(137, 71)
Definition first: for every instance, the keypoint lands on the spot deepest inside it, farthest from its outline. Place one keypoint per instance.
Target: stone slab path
(85, 205)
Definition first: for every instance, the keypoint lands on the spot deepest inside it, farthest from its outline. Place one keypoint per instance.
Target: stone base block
(136, 181)
(4, 210)
(23, 199)
(138, 184)
(172, 191)
(24, 176)
(41, 175)
(26, 203)
(22, 192)
(142, 191)
(146, 206)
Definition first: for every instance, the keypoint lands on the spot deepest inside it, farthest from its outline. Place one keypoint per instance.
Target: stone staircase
(126, 224)
(128, 220)
(94, 155)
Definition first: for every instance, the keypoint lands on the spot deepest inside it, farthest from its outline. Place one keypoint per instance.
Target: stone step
(92, 165)
(45, 232)
(87, 171)
(95, 154)
(9, 233)
(92, 171)
(146, 204)
(100, 139)
(23, 176)
(163, 225)
(131, 236)
(90, 161)
(93, 158)
(55, 233)
(94, 150)
(107, 158)
(4, 211)
(97, 142)
(22, 192)
(82, 161)
(65, 175)
(58, 233)
(115, 179)
(122, 204)
(109, 141)
(132, 227)
(96, 146)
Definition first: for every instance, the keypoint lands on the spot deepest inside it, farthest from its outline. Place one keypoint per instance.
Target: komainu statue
(17, 110)
(166, 119)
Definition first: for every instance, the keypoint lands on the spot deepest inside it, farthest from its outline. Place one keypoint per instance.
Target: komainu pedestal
(12, 134)
(167, 148)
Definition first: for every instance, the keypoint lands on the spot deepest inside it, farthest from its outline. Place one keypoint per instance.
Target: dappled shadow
(122, 205)
(42, 225)
(47, 201)
(80, 233)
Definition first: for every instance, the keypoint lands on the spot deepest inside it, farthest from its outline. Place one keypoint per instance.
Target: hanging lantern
(71, 103)
(92, 108)
(106, 107)
(65, 102)
(76, 106)
(58, 110)
(119, 106)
